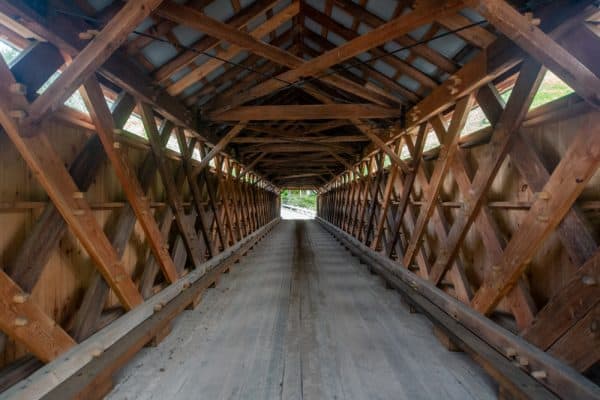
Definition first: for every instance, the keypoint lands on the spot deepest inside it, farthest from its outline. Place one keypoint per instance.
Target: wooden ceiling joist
(225, 32)
(306, 112)
(374, 38)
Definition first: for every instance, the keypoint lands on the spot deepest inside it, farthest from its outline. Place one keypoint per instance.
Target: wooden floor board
(297, 318)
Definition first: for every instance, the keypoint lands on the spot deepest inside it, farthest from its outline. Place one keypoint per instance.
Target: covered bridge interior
(453, 147)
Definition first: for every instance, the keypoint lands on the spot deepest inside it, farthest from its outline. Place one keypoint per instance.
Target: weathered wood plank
(26, 323)
(136, 196)
(54, 177)
(564, 186)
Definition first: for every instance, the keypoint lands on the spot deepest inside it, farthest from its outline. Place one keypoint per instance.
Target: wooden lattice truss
(250, 109)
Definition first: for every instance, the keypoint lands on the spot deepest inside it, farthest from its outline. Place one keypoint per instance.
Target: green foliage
(8, 52)
(300, 198)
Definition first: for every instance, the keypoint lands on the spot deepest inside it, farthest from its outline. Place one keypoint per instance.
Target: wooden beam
(565, 184)
(393, 29)
(388, 86)
(119, 68)
(202, 71)
(105, 128)
(528, 83)
(304, 139)
(407, 188)
(380, 143)
(361, 14)
(543, 48)
(186, 16)
(232, 133)
(54, 177)
(89, 314)
(92, 57)
(249, 167)
(448, 147)
(306, 112)
(188, 232)
(186, 154)
(119, 343)
(206, 43)
(26, 323)
(298, 148)
(565, 308)
(378, 52)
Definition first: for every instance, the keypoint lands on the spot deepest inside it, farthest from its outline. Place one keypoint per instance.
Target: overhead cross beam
(194, 19)
(206, 43)
(393, 29)
(202, 71)
(306, 112)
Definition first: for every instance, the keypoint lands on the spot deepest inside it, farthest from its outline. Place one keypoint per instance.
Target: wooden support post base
(97, 390)
(160, 336)
(445, 340)
(196, 301)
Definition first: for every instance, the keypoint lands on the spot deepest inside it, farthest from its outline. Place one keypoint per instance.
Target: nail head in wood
(589, 280)
(510, 352)
(158, 307)
(21, 321)
(18, 88)
(97, 352)
(539, 374)
(18, 114)
(20, 298)
(523, 361)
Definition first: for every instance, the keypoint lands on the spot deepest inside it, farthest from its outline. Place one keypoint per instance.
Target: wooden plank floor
(300, 318)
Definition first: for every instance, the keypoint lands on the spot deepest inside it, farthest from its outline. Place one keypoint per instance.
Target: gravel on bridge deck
(300, 318)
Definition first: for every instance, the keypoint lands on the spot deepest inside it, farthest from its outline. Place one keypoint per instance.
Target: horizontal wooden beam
(298, 148)
(306, 139)
(306, 112)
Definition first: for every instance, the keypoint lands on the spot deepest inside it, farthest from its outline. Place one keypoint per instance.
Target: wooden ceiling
(313, 84)
(270, 81)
